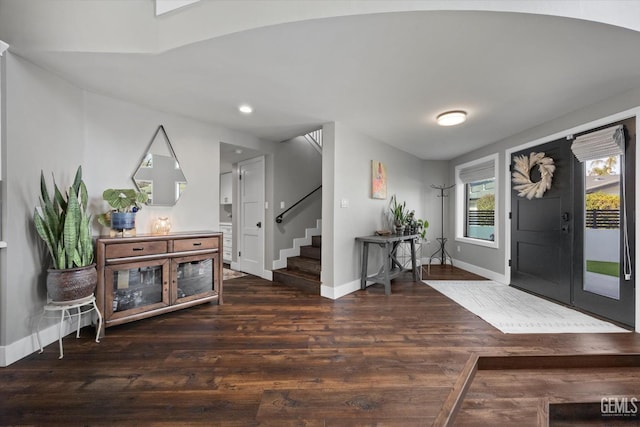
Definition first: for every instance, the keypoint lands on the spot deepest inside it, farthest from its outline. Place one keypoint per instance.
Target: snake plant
(63, 222)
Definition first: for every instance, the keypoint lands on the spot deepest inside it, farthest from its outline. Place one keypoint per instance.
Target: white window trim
(460, 204)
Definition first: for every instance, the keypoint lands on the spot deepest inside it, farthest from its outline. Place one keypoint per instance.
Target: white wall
(54, 126)
(43, 132)
(119, 133)
(347, 156)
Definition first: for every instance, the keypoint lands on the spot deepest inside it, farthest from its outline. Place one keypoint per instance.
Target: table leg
(365, 261)
(388, 265)
(413, 260)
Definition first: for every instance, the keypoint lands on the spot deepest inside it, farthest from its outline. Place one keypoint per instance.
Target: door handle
(565, 216)
(259, 224)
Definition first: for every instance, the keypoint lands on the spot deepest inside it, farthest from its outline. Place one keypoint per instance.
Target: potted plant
(125, 203)
(399, 214)
(421, 229)
(416, 225)
(63, 223)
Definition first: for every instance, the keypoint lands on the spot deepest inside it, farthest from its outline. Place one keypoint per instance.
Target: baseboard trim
(491, 275)
(28, 345)
(339, 291)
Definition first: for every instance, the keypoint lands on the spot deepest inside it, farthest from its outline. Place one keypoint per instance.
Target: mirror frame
(173, 155)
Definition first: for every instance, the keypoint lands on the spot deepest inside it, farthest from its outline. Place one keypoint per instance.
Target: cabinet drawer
(182, 245)
(121, 250)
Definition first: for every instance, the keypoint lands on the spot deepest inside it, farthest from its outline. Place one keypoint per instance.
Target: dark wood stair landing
(303, 271)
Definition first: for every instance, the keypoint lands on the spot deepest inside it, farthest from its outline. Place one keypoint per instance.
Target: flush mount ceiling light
(245, 109)
(451, 118)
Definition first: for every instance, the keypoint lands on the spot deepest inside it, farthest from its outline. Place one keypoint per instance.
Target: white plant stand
(82, 306)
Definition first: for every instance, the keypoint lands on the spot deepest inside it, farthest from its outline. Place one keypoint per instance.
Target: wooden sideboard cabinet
(147, 275)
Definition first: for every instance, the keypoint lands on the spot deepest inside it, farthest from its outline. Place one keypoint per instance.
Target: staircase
(303, 271)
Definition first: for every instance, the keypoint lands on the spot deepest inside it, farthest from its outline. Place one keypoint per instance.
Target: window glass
(602, 226)
(480, 209)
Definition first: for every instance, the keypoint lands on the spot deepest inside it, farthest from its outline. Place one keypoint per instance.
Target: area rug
(228, 274)
(516, 312)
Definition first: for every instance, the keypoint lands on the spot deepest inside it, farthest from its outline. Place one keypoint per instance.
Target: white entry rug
(516, 312)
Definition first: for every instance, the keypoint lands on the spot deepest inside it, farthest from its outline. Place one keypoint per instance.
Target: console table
(147, 275)
(390, 267)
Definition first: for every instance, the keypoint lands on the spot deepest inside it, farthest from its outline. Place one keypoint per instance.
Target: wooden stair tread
(299, 273)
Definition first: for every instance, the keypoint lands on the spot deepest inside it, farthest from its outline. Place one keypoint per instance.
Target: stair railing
(279, 217)
(315, 139)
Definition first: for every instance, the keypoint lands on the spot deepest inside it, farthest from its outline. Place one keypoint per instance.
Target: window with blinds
(476, 190)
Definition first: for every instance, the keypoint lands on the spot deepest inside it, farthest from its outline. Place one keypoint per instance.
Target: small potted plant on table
(125, 203)
(399, 214)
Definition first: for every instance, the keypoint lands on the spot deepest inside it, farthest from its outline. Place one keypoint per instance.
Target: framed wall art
(378, 180)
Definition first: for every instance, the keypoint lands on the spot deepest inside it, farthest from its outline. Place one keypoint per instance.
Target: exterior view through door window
(602, 227)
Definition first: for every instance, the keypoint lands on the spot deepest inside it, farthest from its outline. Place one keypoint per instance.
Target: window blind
(478, 172)
(596, 145)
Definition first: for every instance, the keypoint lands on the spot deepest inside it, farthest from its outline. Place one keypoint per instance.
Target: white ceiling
(386, 75)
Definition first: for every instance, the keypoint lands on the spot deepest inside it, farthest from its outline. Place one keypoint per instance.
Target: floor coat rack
(442, 250)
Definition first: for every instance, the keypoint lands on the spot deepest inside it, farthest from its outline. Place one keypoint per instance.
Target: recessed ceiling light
(245, 109)
(237, 151)
(451, 118)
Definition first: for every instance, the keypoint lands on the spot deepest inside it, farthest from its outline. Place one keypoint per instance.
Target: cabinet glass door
(194, 277)
(136, 287)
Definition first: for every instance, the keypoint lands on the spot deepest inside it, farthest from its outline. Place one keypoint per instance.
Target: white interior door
(251, 194)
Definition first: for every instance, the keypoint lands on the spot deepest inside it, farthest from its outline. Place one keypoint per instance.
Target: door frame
(558, 135)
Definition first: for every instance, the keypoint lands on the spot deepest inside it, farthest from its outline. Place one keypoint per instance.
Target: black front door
(541, 228)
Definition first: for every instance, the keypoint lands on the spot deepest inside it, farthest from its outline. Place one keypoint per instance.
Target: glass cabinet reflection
(194, 277)
(137, 287)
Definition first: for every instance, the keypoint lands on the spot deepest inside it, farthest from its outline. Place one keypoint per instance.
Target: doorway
(559, 250)
(251, 195)
(231, 155)
(604, 280)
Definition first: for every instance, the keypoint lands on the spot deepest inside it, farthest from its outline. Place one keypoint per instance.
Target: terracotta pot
(72, 283)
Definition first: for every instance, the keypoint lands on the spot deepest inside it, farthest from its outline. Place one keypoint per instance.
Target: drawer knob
(138, 249)
(197, 244)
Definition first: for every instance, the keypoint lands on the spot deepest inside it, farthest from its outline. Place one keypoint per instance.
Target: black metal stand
(442, 250)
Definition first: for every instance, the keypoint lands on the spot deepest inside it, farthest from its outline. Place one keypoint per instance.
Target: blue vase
(123, 220)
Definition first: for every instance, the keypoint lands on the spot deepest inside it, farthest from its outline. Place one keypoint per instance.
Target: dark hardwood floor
(275, 356)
